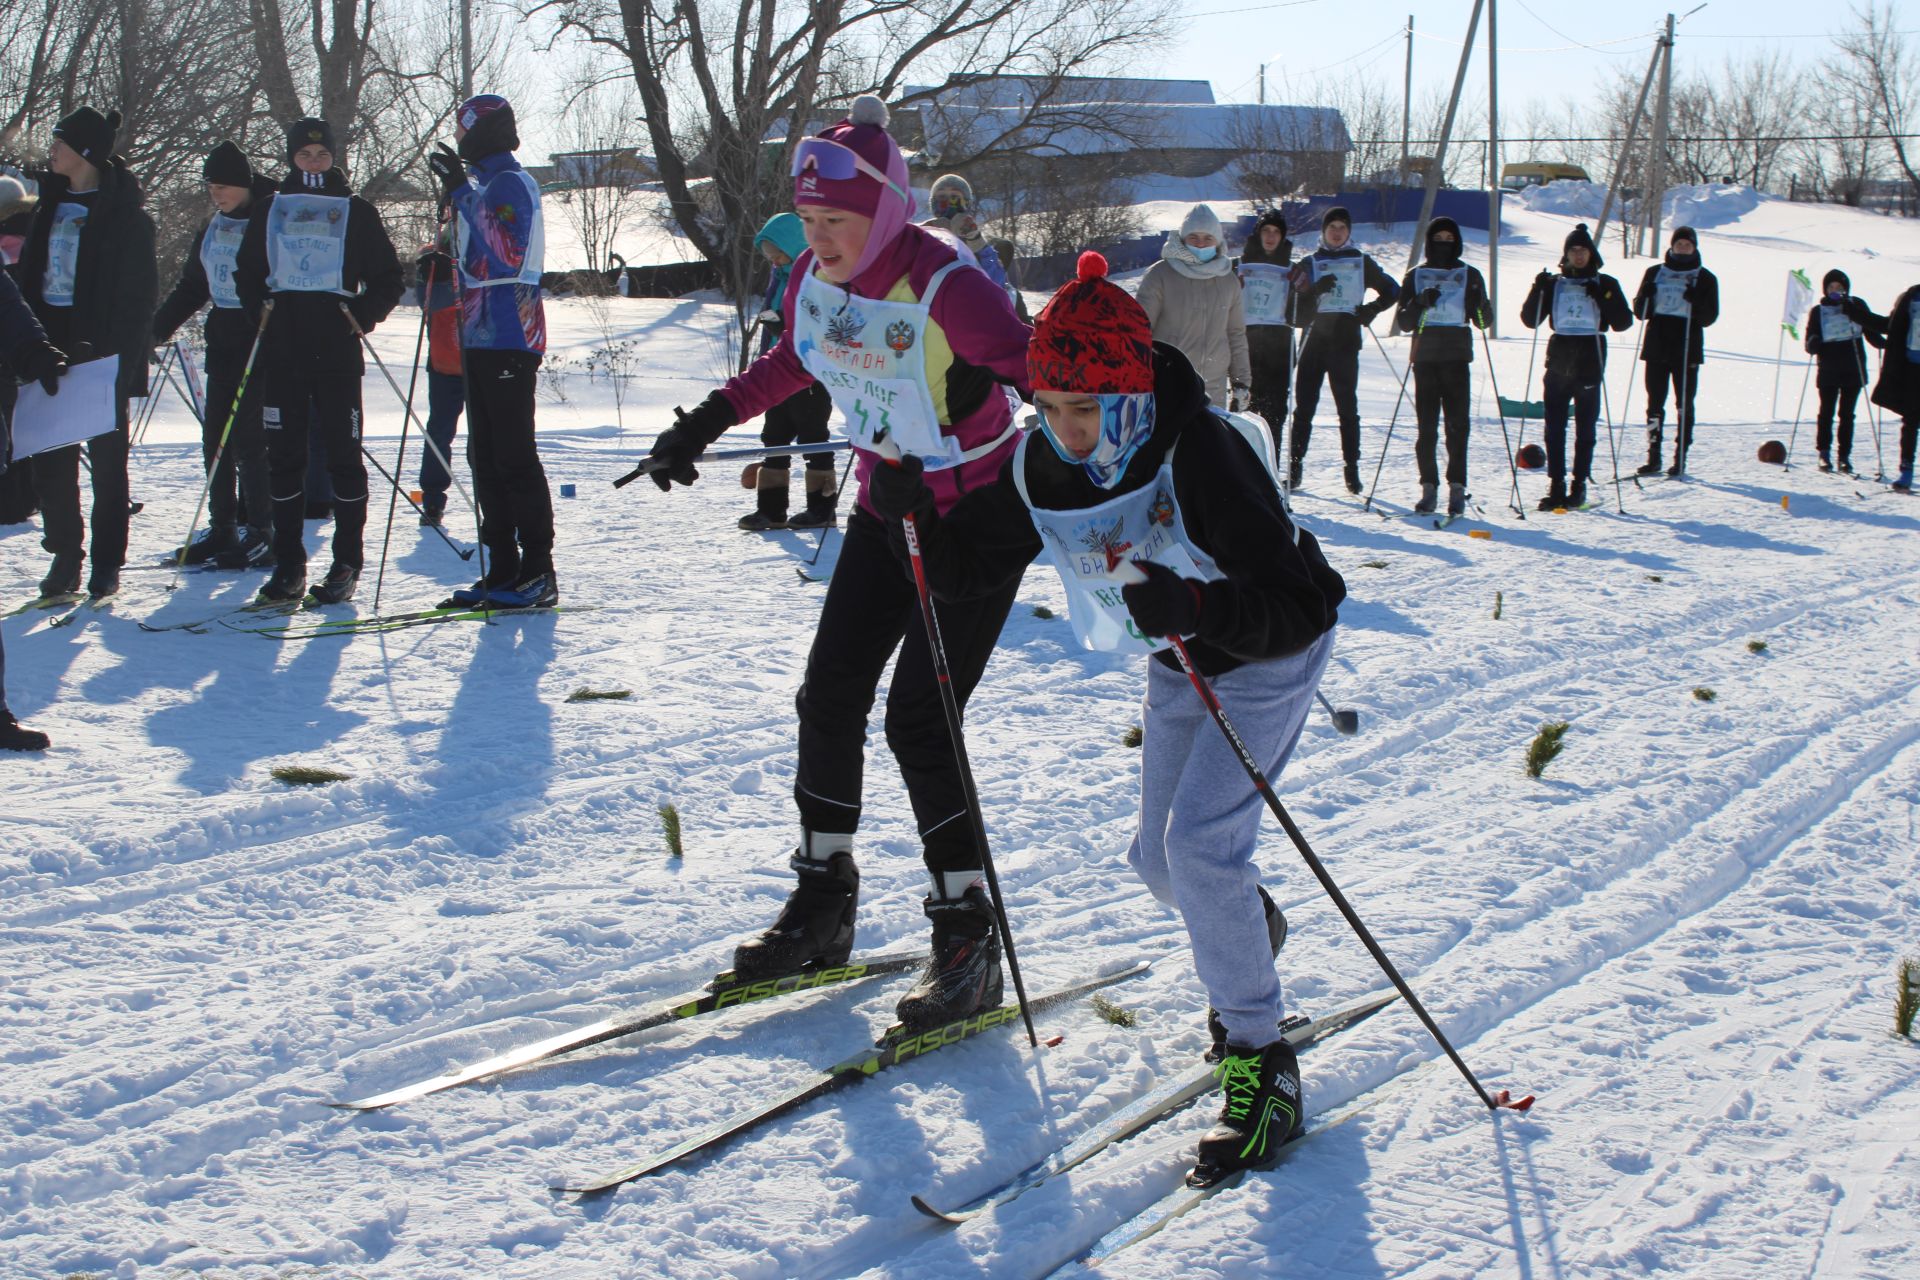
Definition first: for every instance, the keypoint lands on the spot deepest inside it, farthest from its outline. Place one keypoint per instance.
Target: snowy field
(1682, 938)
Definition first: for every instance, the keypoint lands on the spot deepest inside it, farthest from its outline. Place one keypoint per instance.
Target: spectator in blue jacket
(801, 418)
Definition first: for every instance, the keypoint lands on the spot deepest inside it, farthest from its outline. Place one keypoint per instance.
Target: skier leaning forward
(1132, 464)
(887, 316)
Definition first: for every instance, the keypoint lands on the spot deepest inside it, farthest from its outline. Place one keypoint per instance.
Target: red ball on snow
(1091, 266)
(1773, 451)
(1531, 457)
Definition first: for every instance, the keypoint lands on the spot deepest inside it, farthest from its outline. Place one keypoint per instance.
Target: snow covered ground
(1683, 937)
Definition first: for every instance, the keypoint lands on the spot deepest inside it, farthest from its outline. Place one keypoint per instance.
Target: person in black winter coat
(1898, 388)
(229, 433)
(1438, 301)
(88, 271)
(1267, 301)
(1328, 287)
(1581, 304)
(31, 357)
(1678, 299)
(1835, 327)
(316, 251)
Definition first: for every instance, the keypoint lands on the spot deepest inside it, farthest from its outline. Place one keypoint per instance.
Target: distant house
(1004, 131)
(608, 167)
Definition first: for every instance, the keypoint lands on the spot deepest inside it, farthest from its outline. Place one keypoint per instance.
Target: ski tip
(1505, 1099)
(1052, 1042)
(938, 1215)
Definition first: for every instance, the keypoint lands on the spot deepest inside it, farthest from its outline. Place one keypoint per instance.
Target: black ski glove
(42, 362)
(1688, 294)
(1855, 309)
(1366, 311)
(1544, 280)
(1166, 604)
(1429, 299)
(896, 492)
(448, 170)
(688, 438)
(1324, 286)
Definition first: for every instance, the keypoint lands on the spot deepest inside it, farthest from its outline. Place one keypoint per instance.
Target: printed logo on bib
(1669, 291)
(900, 335)
(1450, 312)
(270, 418)
(1575, 311)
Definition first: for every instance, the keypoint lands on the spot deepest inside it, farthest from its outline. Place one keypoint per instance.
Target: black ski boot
(821, 500)
(963, 974)
(1429, 499)
(1556, 496)
(1294, 469)
(1277, 937)
(1655, 437)
(16, 737)
(63, 575)
(103, 582)
(1456, 499)
(1262, 1111)
(1576, 495)
(814, 930)
(216, 539)
(288, 585)
(254, 550)
(1826, 462)
(1353, 478)
(337, 587)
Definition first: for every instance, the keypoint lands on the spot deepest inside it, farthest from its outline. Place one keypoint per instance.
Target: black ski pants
(871, 610)
(1270, 355)
(242, 473)
(509, 482)
(294, 403)
(1838, 396)
(56, 479)
(1907, 432)
(1685, 381)
(1562, 392)
(1441, 388)
(1341, 370)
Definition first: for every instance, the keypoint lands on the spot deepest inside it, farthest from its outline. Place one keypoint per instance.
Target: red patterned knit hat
(1092, 338)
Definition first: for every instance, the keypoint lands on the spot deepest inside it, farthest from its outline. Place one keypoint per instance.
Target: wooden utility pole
(1620, 161)
(1446, 133)
(1656, 162)
(1493, 169)
(466, 50)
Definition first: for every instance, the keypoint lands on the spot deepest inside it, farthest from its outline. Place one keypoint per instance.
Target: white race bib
(1349, 276)
(1575, 311)
(1264, 293)
(307, 244)
(530, 267)
(218, 249)
(1835, 326)
(1451, 311)
(63, 253)
(1913, 330)
(1669, 291)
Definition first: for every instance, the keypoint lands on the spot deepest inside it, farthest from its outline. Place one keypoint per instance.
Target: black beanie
(90, 134)
(1685, 233)
(304, 133)
(1846, 285)
(1336, 214)
(227, 165)
(488, 120)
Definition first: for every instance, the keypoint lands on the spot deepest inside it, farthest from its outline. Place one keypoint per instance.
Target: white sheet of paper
(83, 409)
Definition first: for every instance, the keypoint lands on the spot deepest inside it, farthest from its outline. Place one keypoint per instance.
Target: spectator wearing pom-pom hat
(916, 344)
(1132, 464)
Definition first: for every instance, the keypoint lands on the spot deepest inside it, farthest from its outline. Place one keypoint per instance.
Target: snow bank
(1574, 199)
(1707, 204)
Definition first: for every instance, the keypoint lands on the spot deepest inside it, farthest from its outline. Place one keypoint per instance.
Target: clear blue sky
(1549, 49)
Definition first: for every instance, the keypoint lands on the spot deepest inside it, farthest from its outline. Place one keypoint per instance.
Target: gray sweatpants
(1200, 821)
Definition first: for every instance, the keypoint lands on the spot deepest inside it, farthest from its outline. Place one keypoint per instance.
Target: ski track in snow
(1682, 937)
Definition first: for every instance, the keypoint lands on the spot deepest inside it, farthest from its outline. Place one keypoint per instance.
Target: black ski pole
(821, 546)
(1259, 778)
(1613, 446)
(649, 465)
(246, 371)
(1873, 412)
(1626, 408)
(950, 703)
(1800, 407)
(1347, 721)
(465, 553)
(1513, 468)
(1392, 421)
(1533, 349)
(400, 459)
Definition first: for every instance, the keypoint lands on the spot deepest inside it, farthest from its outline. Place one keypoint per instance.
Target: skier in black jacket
(1438, 301)
(1835, 327)
(1132, 471)
(1678, 298)
(1898, 387)
(31, 357)
(1581, 304)
(207, 275)
(1267, 301)
(87, 269)
(1328, 286)
(312, 248)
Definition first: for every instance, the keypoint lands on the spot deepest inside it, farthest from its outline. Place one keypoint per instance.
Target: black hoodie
(116, 279)
(228, 329)
(1580, 357)
(1665, 334)
(1442, 344)
(1278, 596)
(1843, 363)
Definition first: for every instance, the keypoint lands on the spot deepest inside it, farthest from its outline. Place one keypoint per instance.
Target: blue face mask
(1204, 255)
(1126, 420)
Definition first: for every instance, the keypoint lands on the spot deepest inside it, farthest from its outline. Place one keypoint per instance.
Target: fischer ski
(720, 994)
(894, 1048)
(199, 625)
(1169, 1097)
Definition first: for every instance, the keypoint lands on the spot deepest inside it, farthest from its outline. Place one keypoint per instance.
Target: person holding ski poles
(1580, 304)
(1438, 300)
(1192, 300)
(914, 343)
(1329, 287)
(231, 442)
(1266, 299)
(31, 358)
(87, 270)
(310, 248)
(1898, 387)
(1678, 299)
(1835, 327)
(503, 337)
(1133, 467)
(801, 418)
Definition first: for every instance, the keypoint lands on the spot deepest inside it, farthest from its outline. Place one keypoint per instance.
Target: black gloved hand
(1324, 286)
(448, 170)
(1855, 309)
(1429, 299)
(1688, 294)
(433, 263)
(898, 491)
(688, 438)
(1366, 311)
(1166, 604)
(40, 361)
(1544, 280)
